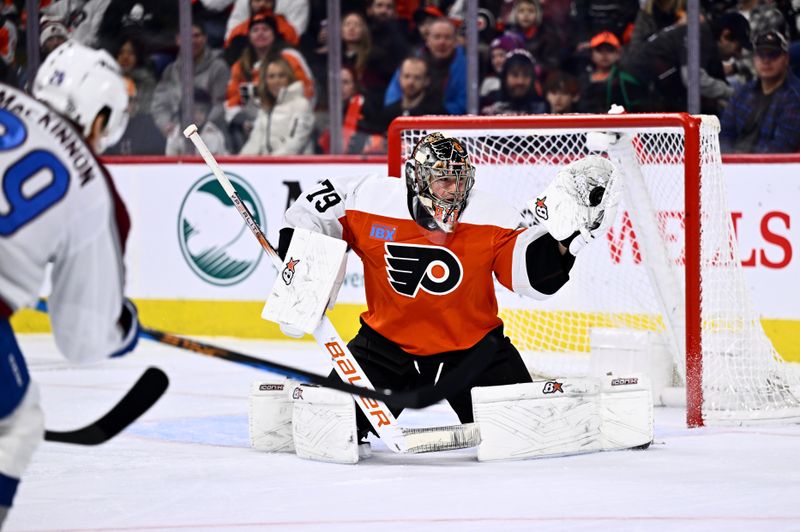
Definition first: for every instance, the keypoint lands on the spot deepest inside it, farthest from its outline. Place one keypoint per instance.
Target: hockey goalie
(432, 246)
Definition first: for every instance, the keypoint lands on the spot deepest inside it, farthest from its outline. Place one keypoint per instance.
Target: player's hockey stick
(413, 399)
(147, 390)
(144, 394)
(417, 440)
(344, 363)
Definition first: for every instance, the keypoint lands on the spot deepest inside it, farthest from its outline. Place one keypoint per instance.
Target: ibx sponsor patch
(380, 231)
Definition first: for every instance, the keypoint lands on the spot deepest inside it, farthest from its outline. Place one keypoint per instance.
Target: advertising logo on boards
(214, 240)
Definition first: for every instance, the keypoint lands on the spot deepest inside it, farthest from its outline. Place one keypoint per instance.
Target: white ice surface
(187, 465)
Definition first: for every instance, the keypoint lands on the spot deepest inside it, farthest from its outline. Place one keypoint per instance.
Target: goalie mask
(439, 177)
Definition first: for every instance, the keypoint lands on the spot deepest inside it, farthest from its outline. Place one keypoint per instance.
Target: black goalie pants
(492, 361)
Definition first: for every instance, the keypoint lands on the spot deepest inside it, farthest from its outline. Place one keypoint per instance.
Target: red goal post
(684, 238)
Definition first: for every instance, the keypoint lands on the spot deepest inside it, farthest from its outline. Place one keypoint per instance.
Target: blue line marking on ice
(230, 431)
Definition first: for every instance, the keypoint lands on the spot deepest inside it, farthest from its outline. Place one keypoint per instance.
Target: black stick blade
(144, 394)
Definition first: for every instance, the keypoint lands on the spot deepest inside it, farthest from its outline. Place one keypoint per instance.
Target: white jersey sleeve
(322, 208)
(58, 205)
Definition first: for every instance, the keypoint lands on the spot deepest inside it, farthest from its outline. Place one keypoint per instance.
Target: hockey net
(665, 270)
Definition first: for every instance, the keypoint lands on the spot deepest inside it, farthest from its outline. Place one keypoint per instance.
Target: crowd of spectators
(261, 66)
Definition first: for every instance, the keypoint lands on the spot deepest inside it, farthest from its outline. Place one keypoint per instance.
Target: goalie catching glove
(580, 203)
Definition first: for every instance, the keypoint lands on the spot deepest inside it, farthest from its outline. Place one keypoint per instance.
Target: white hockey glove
(581, 202)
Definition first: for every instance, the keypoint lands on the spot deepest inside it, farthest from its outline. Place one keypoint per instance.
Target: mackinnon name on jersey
(80, 157)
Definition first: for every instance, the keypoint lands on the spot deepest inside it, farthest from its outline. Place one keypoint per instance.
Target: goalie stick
(417, 440)
(344, 363)
(144, 394)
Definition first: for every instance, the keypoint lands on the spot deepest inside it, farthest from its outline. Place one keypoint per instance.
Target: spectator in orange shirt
(237, 38)
(247, 73)
(296, 12)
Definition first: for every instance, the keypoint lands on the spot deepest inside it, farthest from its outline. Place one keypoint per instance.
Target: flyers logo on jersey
(434, 269)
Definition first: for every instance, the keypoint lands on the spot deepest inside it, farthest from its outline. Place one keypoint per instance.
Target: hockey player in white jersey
(58, 205)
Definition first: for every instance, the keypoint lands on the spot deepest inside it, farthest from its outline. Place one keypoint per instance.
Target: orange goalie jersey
(426, 298)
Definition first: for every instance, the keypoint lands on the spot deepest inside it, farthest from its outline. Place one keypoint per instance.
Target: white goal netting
(635, 279)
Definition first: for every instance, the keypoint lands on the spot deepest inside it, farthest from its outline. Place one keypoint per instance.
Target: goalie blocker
(313, 269)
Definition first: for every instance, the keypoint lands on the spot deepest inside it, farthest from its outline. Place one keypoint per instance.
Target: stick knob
(190, 130)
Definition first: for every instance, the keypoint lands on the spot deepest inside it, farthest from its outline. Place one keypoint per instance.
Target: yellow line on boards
(239, 319)
(242, 319)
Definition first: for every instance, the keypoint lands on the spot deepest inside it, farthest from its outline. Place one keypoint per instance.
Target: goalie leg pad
(538, 419)
(563, 417)
(627, 412)
(324, 425)
(270, 416)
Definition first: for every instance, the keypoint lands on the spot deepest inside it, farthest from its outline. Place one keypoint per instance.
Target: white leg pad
(270, 416)
(538, 419)
(627, 411)
(324, 425)
(563, 417)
